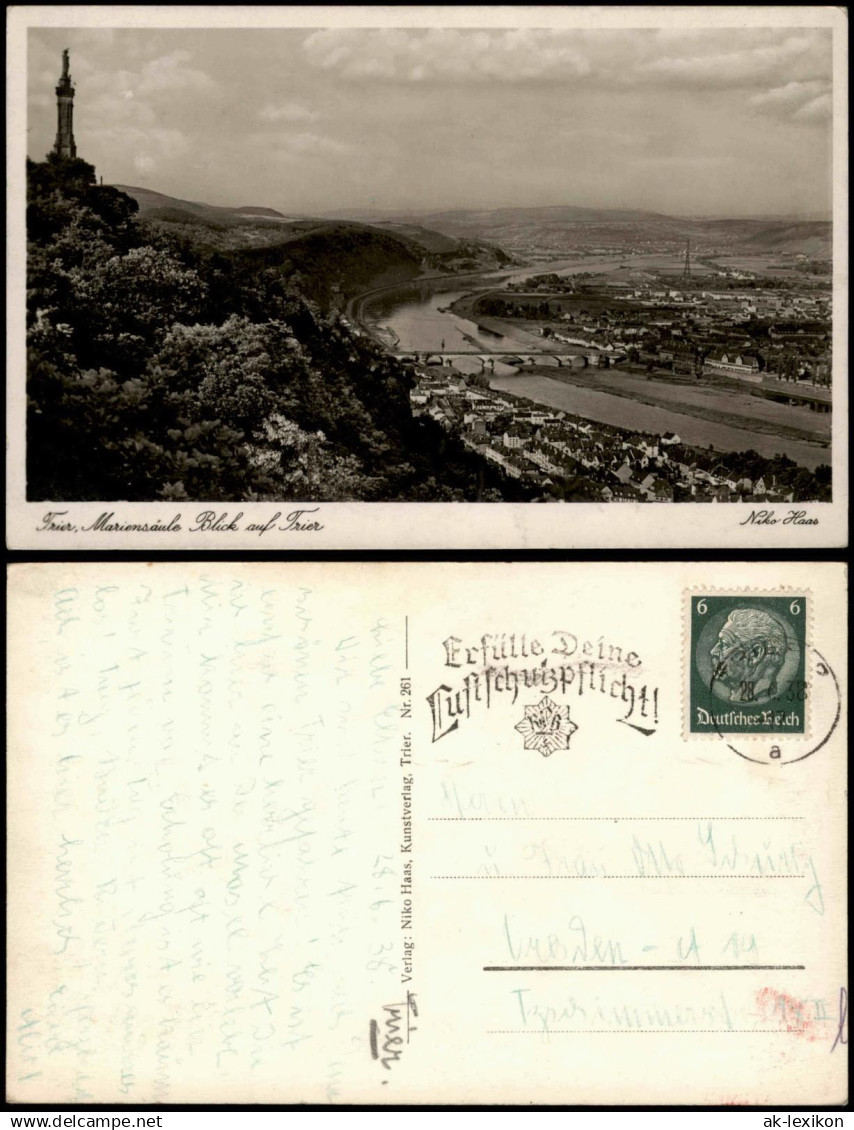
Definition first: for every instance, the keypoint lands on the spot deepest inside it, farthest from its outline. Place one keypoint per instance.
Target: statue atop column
(64, 145)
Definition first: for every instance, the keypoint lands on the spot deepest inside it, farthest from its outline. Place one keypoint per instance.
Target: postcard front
(340, 278)
(402, 833)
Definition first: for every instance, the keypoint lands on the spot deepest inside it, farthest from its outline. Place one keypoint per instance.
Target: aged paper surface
(754, 68)
(391, 833)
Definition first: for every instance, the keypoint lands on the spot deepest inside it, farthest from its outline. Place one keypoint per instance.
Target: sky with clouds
(690, 122)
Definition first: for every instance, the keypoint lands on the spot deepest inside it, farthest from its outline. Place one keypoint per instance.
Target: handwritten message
(202, 753)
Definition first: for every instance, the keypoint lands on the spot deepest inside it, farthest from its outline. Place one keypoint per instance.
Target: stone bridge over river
(510, 357)
(816, 398)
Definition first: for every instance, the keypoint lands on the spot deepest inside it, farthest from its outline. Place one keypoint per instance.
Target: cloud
(818, 110)
(795, 101)
(127, 95)
(303, 143)
(288, 112)
(157, 79)
(752, 58)
(804, 55)
(170, 74)
(307, 142)
(434, 54)
(148, 148)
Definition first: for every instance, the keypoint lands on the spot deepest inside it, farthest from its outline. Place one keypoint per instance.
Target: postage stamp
(747, 663)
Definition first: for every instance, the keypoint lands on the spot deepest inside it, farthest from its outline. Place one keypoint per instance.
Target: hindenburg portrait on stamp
(748, 655)
(747, 663)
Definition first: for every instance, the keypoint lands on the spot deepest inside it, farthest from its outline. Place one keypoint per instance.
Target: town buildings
(561, 454)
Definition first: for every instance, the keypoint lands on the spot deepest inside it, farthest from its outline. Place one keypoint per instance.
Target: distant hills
(566, 227)
(790, 217)
(798, 237)
(150, 202)
(470, 239)
(345, 253)
(556, 213)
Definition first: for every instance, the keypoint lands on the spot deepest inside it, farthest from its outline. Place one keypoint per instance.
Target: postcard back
(399, 833)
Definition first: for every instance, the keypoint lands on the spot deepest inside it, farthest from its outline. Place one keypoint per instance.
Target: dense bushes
(161, 369)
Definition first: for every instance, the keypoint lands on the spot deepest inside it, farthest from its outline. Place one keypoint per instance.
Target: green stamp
(747, 664)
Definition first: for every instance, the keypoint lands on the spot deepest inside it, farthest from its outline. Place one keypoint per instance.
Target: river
(417, 318)
(622, 412)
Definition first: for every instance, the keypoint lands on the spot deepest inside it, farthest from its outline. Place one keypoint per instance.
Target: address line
(628, 968)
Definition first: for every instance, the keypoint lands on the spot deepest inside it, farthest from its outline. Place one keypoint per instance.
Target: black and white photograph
(307, 266)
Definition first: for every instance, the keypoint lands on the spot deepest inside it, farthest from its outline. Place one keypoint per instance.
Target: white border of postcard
(328, 526)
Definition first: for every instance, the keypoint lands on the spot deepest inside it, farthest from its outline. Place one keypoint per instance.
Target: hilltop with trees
(162, 369)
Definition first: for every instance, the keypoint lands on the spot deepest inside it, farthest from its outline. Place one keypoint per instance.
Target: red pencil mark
(799, 1017)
